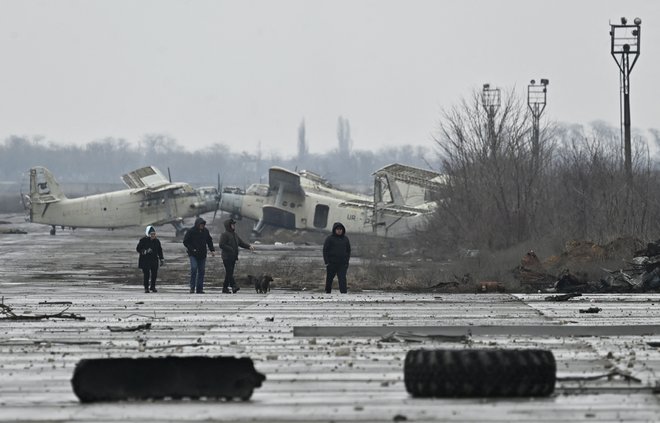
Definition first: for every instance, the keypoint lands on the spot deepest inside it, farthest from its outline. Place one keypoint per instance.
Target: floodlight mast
(490, 100)
(626, 42)
(536, 100)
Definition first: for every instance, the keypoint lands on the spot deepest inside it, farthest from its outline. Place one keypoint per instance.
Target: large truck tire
(480, 373)
(116, 379)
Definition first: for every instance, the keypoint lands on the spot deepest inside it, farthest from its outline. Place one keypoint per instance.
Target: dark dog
(261, 283)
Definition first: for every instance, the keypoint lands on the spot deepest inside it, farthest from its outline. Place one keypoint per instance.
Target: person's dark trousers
(229, 274)
(340, 270)
(150, 274)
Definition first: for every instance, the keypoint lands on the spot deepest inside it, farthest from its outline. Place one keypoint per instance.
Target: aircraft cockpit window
(183, 190)
(43, 188)
(233, 190)
(261, 190)
(42, 183)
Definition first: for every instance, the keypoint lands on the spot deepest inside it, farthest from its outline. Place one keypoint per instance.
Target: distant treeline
(106, 160)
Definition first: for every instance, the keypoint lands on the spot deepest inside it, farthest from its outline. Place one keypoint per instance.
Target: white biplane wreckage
(403, 199)
(150, 199)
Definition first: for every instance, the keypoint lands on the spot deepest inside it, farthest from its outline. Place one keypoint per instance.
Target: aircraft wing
(288, 180)
(404, 211)
(413, 175)
(145, 177)
(362, 204)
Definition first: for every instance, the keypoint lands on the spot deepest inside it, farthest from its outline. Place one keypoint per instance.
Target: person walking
(196, 241)
(336, 255)
(151, 254)
(229, 243)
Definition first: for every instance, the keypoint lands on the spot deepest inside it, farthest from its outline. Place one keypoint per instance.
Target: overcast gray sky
(241, 72)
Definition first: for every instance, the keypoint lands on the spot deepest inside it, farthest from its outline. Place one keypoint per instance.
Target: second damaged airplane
(403, 198)
(150, 199)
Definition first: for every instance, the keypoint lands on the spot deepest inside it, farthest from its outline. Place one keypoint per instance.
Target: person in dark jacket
(196, 241)
(229, 243)
(336, 255)
(151, 253)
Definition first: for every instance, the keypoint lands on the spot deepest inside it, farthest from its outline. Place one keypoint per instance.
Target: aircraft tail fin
(43, 186)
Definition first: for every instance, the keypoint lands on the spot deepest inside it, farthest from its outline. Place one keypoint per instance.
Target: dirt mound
(623, 248)
(579, 254)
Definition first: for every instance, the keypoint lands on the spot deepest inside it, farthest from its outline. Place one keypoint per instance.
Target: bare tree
(592, 197)
(344, 136)
(493, 186)
(497, 197)
(302, 142)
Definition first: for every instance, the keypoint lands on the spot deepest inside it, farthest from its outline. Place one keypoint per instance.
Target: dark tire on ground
(480, 373)
(117, 379)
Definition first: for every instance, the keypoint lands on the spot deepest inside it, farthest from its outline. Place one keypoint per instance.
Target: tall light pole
(490, 100)
(536, 100)
(625, 42)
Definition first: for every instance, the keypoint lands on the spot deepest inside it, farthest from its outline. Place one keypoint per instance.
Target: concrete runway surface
(324, 356)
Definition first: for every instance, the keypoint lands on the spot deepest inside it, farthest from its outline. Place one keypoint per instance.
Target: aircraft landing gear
(52, 230)
(258, 228)
(179, 229)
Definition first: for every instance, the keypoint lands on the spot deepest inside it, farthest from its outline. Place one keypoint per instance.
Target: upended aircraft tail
(43, 186)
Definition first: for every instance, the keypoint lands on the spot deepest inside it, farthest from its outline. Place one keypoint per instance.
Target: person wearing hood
(196, 241)
(336, 255)
(151, 253)
(229, 243)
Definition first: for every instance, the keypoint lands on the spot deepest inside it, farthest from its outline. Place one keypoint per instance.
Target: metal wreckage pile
(575, 270)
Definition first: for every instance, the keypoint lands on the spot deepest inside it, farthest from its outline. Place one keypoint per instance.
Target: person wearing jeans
(196, 241)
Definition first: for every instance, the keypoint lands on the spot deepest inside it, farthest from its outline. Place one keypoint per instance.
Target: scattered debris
(569, 282)
(531, 273)
(443, 285)
(18, 342)
(12, 231)
(614, 372)
(563, 297)
(145, 326)
(490, 286)
(343, 352)
(396, 336)
(591, 310)
(10, 315)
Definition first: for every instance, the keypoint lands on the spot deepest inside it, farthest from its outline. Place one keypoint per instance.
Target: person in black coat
(336, 255)
(229, 243)
(196, 241)
(151, 254)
